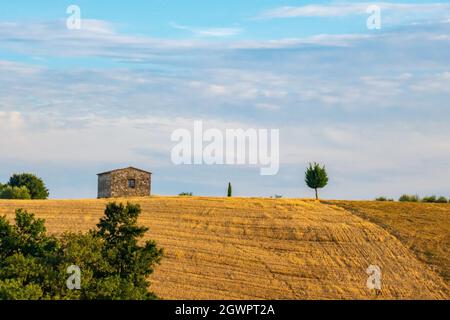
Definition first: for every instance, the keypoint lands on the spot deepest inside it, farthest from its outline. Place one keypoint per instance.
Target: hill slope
(217, 248)
(422, 227)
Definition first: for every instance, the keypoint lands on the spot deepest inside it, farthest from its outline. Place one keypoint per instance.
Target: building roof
(106, 172)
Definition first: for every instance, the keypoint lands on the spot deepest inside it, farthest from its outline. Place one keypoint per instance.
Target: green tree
(34, 184)
(113, 265)
(29, 259)
(129, 261)
(316, 177)
(9, 192)
(230, 190)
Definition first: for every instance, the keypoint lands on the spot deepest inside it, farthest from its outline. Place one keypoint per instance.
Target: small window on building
(131, 183)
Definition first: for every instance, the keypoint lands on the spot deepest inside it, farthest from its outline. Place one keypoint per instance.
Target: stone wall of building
(120, 183)
(104, 186)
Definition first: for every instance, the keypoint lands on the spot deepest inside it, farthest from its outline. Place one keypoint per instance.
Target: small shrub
(21, 193)
(431, 199)
(384, 199)
(186, 194)
(434, 199)
(409, 198)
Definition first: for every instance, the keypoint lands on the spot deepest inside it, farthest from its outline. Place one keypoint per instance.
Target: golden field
(252, 248)
(422, 227)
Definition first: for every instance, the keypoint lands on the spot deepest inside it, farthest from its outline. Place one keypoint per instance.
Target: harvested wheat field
(422, 227)
(235, 248)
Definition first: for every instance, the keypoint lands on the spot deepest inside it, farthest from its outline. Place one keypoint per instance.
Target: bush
(34, 184)
(434, 199)
(186, 194)
(8, 192)
(113, 265)
(383, 199)
(431, 199)
(409, 198)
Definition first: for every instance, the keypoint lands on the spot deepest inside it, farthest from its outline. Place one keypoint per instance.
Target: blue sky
(373, 105)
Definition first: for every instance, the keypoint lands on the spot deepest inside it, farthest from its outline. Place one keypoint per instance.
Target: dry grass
(218, 248)
(422, 227)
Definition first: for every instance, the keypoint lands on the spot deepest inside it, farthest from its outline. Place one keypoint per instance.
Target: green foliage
(316, 177)
(8, 192)
(230, 190)
(442, 200)
(127, 259)
(409, 198)
(434, 199)
(28, 259)
(113, 265)
(34, 184)
(383, 199)
(186, 194)
(14, 289)
(431, 199)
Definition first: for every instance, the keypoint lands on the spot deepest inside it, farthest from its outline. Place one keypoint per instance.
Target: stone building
(128, 182)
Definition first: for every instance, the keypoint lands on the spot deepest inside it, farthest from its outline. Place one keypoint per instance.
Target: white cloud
(10, 121)
(99, 140)
(208, 32)
(354, 8)
(437, 83)
(331, 40)
(369, 107)
(14, 67)
(267, 106)
(99, 38)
